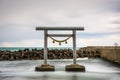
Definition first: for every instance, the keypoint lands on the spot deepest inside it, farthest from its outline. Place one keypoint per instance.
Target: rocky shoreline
(35, 54)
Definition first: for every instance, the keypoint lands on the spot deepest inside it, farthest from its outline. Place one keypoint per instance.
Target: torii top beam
(59, 28)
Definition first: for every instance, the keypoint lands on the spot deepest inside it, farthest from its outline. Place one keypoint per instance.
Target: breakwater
(112, 55)
(35, 54)
(109, 53)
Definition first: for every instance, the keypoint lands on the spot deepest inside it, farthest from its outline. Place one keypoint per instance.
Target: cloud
(81, 42)
(116, 22)
(15, 33)
(18, 19)
(96, 35)
(24, 43)
(101, 41)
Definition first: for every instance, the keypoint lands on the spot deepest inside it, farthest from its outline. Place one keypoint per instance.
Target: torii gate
(72, 67)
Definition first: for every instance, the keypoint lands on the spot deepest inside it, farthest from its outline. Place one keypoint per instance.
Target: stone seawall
(112, 55)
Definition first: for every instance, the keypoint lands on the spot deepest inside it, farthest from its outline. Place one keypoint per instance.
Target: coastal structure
(37, 54)
(46, 66)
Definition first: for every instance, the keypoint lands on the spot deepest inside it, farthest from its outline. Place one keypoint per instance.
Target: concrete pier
(45, 67)
(75, 67)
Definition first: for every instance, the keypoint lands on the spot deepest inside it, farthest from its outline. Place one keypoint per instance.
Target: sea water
(96, 69)
(30, 48)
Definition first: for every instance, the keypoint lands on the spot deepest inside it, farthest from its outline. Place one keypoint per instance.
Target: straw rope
(59, 41)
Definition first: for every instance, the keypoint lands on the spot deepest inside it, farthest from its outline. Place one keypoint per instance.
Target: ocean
(96, 69)
(30, 48)
(18, 48)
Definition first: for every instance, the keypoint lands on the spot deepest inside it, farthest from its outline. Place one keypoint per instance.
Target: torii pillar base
(45, 67)
(75, 67)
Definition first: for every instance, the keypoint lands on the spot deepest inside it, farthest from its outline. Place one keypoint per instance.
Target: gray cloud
(11, 33)
(116, 22)
(96, 35)
(18, 18)
(108, 6)
(114, 5)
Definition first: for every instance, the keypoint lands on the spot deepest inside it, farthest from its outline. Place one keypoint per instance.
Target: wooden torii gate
(46, 66)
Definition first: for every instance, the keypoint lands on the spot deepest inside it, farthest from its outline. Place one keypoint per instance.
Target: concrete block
(75, 67)
(45, 67)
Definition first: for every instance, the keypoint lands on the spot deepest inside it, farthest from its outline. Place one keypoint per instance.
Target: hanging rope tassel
(59, 43)
(53, 41)
(66, 42)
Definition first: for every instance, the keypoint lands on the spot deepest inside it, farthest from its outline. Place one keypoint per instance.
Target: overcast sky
(18, 19)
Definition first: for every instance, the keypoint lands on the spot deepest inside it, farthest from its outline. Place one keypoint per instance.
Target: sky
(19, 18)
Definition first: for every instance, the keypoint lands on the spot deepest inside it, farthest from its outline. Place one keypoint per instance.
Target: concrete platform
(45, 67)
(75, 67)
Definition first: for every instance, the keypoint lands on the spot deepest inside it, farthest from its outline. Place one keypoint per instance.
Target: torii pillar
(46, 66)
